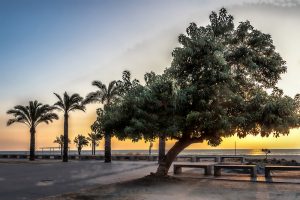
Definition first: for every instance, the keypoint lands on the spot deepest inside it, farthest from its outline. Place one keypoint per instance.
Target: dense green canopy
(222, 81)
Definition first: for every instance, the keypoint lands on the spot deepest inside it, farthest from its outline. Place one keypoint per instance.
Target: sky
(63, 45)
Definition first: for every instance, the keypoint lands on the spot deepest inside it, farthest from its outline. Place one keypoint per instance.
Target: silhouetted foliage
(222, 82)
(107, 96)
(68, 104)
(60, 141)
(32, 115)
(80, 142)
(94, 137)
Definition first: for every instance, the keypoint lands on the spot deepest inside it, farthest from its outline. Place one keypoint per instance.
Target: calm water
(185, 152)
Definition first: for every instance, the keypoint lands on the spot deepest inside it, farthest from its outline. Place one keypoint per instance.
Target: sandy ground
(190, 189)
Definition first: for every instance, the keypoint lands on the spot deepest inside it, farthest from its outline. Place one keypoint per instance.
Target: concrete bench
(268, 169)
(252, 168)
(241, 158)
(185, 157)
(178, 168)
(215, 158)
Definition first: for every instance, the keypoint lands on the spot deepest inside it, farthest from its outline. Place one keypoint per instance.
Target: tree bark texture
(107, 148)
(161, 148)
(167, 161)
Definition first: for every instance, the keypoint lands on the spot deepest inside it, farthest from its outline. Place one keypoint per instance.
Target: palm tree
(60, 141)
(105, 95)
(94, 138)
(68, 104)
(32, 115)
(80, 141)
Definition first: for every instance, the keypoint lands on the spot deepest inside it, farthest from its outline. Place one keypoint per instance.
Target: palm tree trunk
(161, 148)
(66, 137)
(32, 144)
(167, 161)
(107, 148)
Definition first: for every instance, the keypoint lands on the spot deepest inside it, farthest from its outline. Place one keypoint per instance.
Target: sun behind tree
(32, 115)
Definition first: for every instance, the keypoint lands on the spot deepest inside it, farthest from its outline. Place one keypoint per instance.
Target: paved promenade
(21, 179)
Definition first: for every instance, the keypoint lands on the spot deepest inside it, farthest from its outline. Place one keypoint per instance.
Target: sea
(278, 152)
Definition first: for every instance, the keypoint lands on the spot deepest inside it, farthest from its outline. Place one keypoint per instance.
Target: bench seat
(216, 158)
(178, 168)
(268, 169)
(252, 168)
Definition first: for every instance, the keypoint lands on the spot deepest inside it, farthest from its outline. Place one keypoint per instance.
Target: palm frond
(77, 107)
(93, 97)
(46, 118)
(99, 84)
(69, 103)
(33, 114)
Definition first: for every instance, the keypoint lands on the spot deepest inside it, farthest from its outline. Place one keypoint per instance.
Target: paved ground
(21, 179)
(24, 180)
(149, 188)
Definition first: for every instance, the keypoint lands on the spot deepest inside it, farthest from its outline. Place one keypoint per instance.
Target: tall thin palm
(94, 138)
(105, 95)
(68, 104)
(32, 115)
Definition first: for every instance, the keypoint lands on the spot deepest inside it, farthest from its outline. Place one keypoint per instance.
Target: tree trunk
(107, 148)
(161, 148)
(79, 151)
(167, 161)
(93, 148)
(61, 149)
(66, 138)
(32, 144)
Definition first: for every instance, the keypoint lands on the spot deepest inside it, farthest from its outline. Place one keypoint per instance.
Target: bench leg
(193, 159)
(177, 170)
(267, 173)
(208, 170)
(253, 172)
(217, 171)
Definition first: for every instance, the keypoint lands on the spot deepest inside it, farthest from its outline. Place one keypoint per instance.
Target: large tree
(66, 104)
(32, 115)
(222, 82)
